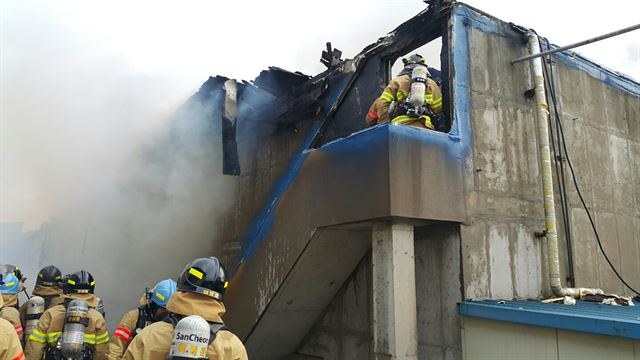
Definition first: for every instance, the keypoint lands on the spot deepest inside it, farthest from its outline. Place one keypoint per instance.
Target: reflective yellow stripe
(196, 273)
(387, 96)
(403, 119)
(426, 120)
(38, 336)
(53, 336)
(226, 284)
(36, 339)
(101, 339)
(92, 283)
(71, 282)
(90, 339)
(438, 102)
(402, 95)
(160, 296)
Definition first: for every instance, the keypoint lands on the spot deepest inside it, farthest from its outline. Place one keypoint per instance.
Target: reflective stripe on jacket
(398, 90)
(12, 315)
(10, 347)
(50, 328)
(123, 335)
(154, 342)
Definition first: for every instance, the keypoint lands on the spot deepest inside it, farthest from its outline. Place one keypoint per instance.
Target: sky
(84, 83)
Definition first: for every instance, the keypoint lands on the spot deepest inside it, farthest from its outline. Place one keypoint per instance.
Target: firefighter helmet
(414, 60)
(204, 276)
(12, 269)
(161, 293)
(80, 282)
(10, 284)
(49, 276)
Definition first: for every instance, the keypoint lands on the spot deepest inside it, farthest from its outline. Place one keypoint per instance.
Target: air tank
(190, 339)
(76, 320)
(418, 86)
(35, 308)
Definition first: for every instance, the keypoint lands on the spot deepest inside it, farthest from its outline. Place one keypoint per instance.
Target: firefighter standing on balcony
(411, 98)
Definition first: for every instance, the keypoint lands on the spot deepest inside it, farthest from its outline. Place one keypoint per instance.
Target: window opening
(437, 111)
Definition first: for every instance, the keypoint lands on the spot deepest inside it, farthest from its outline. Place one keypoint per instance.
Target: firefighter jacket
(154, 342)
(10, 348)
(398, 91)
(10, 300)
(52, 296)
(51, 326)
(123, 335)
(11, 315)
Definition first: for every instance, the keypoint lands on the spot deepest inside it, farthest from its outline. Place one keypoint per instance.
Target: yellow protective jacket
(51, 325)
(11, 315)
(10, 348)
(398, 90)
(123, 335)
(10, 300)
(154, 342)
(51, 295)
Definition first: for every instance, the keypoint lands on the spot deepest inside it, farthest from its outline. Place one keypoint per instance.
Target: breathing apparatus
(414, 105)
(71, 343)
(35, 308)
(191, 337)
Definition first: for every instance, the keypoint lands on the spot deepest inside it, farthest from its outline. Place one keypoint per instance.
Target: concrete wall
(501, 256)
(344, 332)
(495, 253)
(487, 339)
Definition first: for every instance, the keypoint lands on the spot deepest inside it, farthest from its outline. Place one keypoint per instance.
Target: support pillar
(395, 323)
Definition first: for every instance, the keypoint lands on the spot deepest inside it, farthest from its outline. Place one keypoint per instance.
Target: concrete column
(395, 328)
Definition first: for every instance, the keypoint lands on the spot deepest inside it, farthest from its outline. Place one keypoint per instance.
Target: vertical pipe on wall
(542, 113)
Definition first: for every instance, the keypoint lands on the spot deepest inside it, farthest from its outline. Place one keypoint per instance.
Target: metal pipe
(580, 43)
(542, 113)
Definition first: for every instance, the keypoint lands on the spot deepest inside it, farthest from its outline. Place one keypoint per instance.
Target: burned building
(349, 242)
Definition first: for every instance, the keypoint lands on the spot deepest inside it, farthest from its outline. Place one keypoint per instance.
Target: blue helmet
(161, 293)
(10, 284)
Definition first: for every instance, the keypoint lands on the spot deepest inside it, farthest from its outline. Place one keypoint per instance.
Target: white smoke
(98, 164)
(90, 152)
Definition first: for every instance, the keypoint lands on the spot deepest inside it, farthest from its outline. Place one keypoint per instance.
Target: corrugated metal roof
(589, 317)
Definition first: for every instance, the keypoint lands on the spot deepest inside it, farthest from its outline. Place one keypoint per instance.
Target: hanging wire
(552, 91)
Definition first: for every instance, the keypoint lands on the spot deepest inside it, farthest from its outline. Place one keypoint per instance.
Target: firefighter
(411, 98)
(49, 287)
(152, 308)
(11, 297)
(49, 337)
(8, 268)
(10, 348)
(9, 287)
(201, 287)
